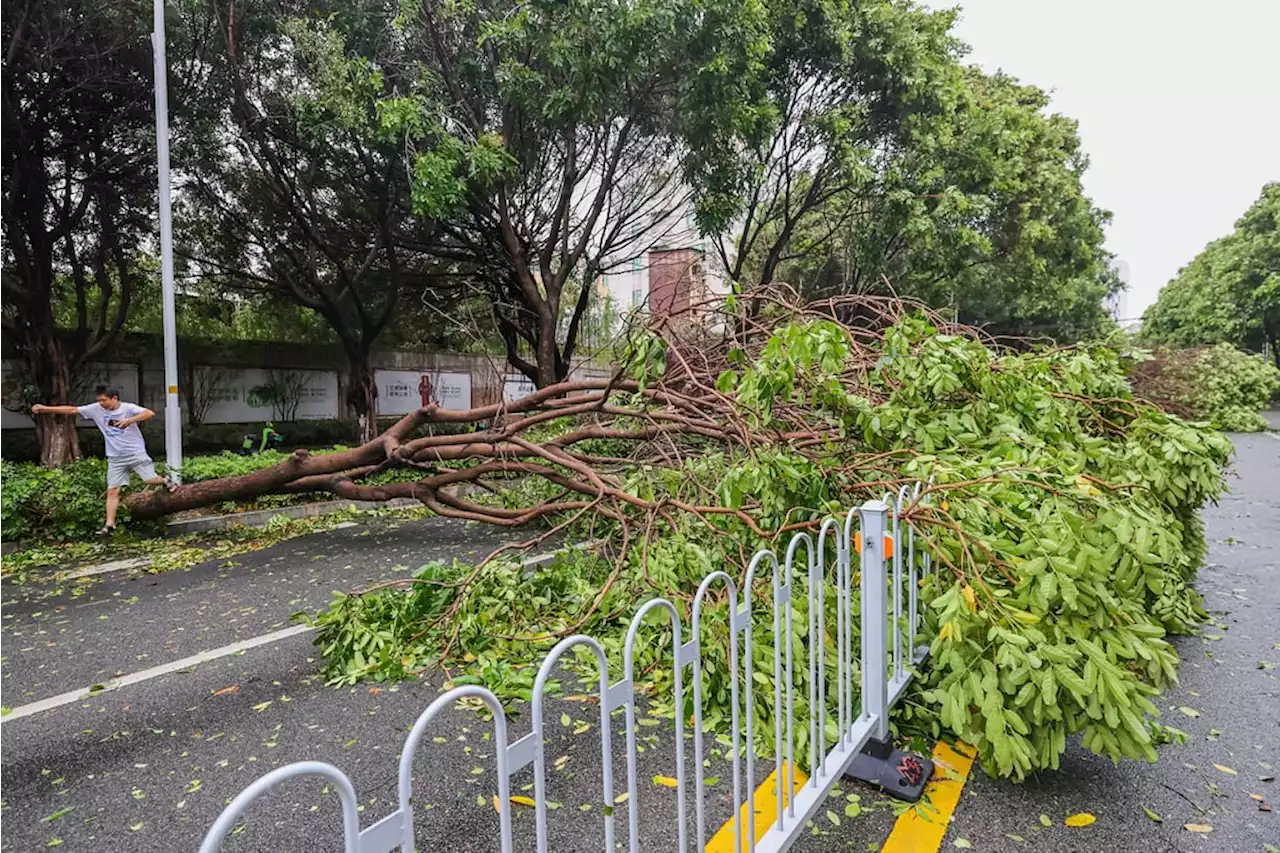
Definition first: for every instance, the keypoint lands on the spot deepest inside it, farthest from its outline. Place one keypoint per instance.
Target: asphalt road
(148, 767)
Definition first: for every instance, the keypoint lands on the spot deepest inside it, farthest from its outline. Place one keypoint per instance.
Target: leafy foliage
(62, 504)
(981, 209)
(1062, 513)
(1220, 385)
(1230, 292)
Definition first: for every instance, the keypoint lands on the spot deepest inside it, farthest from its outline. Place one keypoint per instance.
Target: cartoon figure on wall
(424, 390)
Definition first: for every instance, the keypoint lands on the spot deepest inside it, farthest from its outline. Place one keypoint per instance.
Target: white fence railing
(882, 669)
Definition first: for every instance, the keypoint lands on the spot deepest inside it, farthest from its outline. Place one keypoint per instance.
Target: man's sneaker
(170, 484)
(107, 530)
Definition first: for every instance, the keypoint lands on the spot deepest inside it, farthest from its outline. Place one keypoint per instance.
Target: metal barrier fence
(882, 673)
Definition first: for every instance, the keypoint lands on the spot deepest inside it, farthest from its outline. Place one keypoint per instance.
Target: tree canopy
(980, 209)
(378, 167)
(79, 183)
(1230, 292)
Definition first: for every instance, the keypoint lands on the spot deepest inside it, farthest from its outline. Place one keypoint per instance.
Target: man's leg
(146, 471)
(113, 503)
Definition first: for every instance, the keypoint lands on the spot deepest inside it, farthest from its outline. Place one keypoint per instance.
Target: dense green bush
(52, 503)
(67, 503)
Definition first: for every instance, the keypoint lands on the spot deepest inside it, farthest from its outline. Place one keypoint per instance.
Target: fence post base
(901, 775)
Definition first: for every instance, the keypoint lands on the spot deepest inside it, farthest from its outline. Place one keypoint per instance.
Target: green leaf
(1153, 815)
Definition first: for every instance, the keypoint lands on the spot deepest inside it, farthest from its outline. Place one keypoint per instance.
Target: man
(126, 451)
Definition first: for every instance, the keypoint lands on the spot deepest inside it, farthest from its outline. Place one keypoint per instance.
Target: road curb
(261, 517)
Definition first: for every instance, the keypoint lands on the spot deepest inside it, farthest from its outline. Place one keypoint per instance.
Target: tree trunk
(59, 443)
(47, 363)
(362, 397)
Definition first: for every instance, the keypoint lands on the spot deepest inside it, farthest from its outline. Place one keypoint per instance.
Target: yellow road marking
(765, 804)
(923, 833)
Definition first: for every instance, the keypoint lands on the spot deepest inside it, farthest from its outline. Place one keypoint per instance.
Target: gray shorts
(118, 468)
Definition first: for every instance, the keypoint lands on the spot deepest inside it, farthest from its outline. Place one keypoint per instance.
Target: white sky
(1178, 104)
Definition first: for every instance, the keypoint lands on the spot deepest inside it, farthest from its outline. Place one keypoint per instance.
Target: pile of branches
(656, 410)
(1062, 511)
(1220, 384)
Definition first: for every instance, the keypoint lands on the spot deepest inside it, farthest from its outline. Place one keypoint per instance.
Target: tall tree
(301, 193)
(547, 138)
(980, 209)
(79, 187)
(1230, 292)
(824, 117)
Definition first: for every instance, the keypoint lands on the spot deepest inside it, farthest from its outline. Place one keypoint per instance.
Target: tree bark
(362, 396)
(59, 442)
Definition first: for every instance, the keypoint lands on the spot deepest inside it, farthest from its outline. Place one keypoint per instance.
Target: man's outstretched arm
(38, 409)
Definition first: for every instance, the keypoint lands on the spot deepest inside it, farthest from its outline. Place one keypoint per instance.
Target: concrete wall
(136, 365)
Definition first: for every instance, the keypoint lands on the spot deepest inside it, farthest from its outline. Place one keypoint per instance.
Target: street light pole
(172, 407)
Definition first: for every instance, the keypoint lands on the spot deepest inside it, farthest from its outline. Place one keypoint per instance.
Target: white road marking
(1275, 435)
(73, 696)
(104, 568)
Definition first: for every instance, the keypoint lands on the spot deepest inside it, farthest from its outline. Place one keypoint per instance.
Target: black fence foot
(901, 775)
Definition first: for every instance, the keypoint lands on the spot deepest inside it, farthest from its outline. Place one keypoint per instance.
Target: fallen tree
(1220, 385)
(1063, 512)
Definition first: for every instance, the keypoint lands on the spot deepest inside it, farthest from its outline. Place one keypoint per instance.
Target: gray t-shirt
(122, 443)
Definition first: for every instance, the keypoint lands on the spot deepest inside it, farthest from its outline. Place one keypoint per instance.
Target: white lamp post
(172, 406)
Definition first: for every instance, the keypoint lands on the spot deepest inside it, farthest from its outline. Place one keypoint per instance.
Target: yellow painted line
(765, 804)
(921, 829)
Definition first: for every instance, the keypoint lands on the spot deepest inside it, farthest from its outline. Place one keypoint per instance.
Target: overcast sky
(1178, 104)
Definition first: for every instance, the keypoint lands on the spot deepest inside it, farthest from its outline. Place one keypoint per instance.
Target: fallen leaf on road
(1225, 769)
(580, 697)
(962, 843)
(1257, 797)
(1190, 712)
(1197, 827)
(374, 691)
(1017, 838)
(1079, 820)
(666, 781)
(1264, 806)
(524, 801)
(1153, 816)
(230, 688)
(1044, 820)
(621, 798)
(1270, 848)
(262, 706)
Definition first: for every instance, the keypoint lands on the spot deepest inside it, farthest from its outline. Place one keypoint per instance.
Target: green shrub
(52, 503)
(67, 503)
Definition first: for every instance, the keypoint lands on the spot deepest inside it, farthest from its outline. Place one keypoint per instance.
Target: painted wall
(122, 375)
(242, 396)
